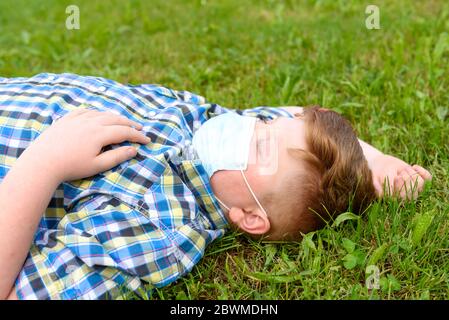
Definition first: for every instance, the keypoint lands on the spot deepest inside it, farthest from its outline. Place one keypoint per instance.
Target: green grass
(392, 84)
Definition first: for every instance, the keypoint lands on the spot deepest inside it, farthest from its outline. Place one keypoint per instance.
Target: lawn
(391, 83)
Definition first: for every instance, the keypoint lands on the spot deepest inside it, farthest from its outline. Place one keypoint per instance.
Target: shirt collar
(199, 184)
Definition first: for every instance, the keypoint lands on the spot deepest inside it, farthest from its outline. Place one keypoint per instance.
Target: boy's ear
(254, 222)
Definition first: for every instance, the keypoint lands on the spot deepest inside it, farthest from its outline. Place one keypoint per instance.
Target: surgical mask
(223, 143)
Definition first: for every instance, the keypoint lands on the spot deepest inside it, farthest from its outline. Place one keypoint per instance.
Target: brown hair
(337, 176)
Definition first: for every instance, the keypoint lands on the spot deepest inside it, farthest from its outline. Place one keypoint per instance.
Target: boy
(126, 185)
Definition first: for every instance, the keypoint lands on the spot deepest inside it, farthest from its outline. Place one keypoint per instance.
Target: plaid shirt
(142, 224)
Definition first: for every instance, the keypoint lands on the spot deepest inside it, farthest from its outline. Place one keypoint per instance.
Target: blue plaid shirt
(142, 224)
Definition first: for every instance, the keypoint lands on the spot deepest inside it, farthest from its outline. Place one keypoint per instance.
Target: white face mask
(223, 143)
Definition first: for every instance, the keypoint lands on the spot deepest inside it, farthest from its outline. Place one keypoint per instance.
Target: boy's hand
(410, 181)
(396, 177)
(71, 147)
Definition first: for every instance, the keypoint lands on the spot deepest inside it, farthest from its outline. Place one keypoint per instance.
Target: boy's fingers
(417, 180)
(410, 181)
(398, 185)
(109, 159)
(406, 189)
(422, 172)
(110, 118)
(118, 134)
(414, 176)
(377, 188)
(389, 183)
(413, 184)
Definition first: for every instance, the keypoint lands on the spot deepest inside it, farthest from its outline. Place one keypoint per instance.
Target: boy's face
(269, 166)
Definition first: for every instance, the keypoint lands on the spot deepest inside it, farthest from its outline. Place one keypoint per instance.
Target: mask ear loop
(252, 193)
(221, 202)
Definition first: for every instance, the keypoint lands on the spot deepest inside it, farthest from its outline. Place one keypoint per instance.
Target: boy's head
(304, 171)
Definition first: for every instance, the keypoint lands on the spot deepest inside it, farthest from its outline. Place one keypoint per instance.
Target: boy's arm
(69, 149)
(394, 176)
(24, 195)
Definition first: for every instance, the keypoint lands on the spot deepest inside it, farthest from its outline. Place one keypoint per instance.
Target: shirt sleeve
(178, 95)
(265, 112)
(98, 254)
(261, 112)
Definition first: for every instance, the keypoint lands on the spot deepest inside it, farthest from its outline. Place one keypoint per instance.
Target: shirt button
(151, 113)
(51, 78)
(102, 89)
